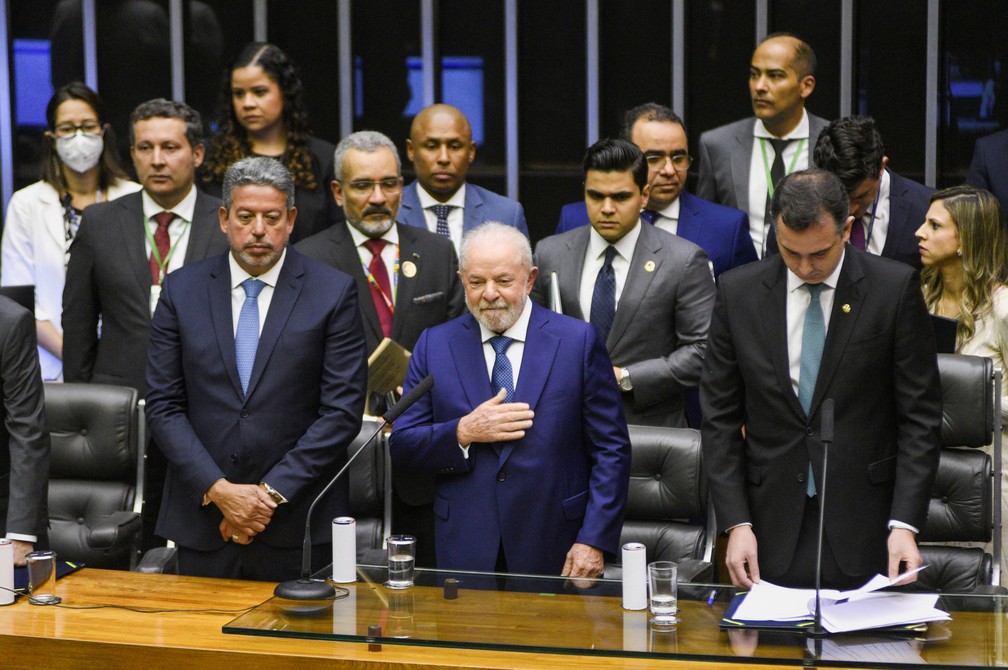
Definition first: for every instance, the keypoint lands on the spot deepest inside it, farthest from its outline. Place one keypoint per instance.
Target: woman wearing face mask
(964, 248)
(80, 166)
(261, 113)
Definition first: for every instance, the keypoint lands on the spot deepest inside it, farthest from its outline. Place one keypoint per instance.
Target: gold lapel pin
(409, 269)
(649, 266)
(846, 308)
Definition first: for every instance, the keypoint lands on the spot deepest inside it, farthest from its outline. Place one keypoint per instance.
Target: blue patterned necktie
(502, 376)
(442, 212)
(813, 340)
(247, 335)
(603, 306)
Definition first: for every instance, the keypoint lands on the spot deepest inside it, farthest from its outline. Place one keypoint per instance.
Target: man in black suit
(123, 251)
(407, 281)
(989, 167)
(823, 320)
(887, 208)
(24, 444)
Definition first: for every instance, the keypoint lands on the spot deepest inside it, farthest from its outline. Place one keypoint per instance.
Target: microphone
(826, 435)
(306, 588)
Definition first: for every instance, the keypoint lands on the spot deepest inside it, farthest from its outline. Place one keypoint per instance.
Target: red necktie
(163, 244)
(384, 289)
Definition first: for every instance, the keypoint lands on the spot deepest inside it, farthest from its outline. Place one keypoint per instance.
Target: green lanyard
(163, 264)
(766, 167)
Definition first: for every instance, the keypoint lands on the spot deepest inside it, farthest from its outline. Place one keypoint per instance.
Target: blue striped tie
(247, 335)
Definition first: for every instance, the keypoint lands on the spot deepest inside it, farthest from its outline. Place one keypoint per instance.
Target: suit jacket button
(801, 477)
(244, 414)
(808, 430)
(234, 458)
(501, 476)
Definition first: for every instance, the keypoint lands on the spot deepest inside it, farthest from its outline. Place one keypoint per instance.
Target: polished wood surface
(61, 637)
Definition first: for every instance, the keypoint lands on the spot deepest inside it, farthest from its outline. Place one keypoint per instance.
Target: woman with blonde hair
(964, 248)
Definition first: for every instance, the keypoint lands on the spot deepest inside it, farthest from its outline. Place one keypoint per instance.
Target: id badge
(155, 295)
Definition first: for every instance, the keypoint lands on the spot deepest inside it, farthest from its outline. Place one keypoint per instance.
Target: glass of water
(401, 555)
(663, 593)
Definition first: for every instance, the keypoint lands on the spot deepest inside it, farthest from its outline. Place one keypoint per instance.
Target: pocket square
(430, 297)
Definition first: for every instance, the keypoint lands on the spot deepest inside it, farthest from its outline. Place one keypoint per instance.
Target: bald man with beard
(441, 148)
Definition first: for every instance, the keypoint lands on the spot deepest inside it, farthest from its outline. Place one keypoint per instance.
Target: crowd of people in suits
(242, 282)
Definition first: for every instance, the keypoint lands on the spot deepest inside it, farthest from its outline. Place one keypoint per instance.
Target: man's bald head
(441, 148)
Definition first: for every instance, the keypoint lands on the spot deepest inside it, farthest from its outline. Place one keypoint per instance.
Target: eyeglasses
(68, 129)
(366, 186)
(679, 161)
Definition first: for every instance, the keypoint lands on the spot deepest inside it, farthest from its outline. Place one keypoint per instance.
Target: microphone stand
(306, 588)
(826, 436)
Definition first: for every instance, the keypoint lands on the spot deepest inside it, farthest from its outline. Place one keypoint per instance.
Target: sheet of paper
(880, 610)
(769, 602)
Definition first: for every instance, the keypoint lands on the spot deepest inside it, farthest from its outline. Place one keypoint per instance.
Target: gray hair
(498, 231)
(159, 108)
(258, 171)
(367, 141)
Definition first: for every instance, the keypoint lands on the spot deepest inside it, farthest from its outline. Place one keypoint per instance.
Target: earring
(959, 253)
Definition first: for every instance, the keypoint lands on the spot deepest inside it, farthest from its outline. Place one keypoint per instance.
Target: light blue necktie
(502, 377)
(813, 340)
(247, 335)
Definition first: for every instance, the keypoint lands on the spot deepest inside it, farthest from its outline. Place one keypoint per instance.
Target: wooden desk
(51, 637)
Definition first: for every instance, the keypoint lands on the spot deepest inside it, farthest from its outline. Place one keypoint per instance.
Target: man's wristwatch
(273, 493)
(624, 381)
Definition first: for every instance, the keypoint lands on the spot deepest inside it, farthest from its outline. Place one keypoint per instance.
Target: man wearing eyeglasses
(723, 232)
(406, 279)
(648, 293)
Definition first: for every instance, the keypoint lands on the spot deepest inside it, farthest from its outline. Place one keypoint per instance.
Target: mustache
(258, 243)
(377, 210)
(500, 303)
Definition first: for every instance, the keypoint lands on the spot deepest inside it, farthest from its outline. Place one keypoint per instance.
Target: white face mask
(80, 152)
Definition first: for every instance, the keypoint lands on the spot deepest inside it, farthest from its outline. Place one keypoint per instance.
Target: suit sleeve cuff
(21, 537)
(893, 523)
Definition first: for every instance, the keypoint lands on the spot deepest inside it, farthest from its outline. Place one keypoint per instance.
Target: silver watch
(624, 381)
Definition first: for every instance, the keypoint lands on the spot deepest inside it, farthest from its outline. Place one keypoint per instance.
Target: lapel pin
(846, 308)
(649, 266)
(409, 269)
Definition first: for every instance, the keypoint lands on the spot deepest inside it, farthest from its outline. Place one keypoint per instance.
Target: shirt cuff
(465, 451)
(21, 537)
(893, 523)
(747, 523)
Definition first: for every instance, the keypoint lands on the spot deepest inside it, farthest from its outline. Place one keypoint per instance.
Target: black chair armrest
(159, 560)
(114, 530)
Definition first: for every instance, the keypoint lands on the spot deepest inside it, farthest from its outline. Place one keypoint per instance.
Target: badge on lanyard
(155, 295)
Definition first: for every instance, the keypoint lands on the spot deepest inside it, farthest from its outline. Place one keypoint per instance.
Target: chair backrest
(367, 490)
(93, 466)
(967, 489)
(666, 509)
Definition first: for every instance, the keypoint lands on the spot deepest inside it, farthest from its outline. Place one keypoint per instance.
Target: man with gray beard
(524, 428)
(406, 281)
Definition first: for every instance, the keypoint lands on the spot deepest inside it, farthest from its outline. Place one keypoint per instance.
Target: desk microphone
(826, 436)
(306, 588)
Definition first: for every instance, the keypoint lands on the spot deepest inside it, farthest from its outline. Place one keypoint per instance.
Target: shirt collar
(801, 131)
(238, 275)
(794, 282)
(184, 210)
(624, 247)
(427, 200)
(391, 235)
(671, 211)
(517, 331)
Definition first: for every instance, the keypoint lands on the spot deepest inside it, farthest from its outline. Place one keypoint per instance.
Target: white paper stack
(6, 571)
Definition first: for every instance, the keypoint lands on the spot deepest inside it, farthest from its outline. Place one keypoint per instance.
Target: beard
(498, 315)
(374, 228)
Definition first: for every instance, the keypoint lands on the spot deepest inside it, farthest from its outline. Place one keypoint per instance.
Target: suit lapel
(131, 223)
(285, 296)
(741, 157)
(646, 254)
(219, 293)
(570, 269)
(472, 214)
(689, 224)
(346, 255)
(841, 323)
(899, 211)
(205, 221)
(773, 304)
(410, 211)
(470, 364)
(406, 288)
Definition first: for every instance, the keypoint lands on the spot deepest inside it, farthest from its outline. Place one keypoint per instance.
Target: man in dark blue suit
(257, 369)
(524, 427)
(989, 168)
(723, 232)
(887, 208)
(441, 149)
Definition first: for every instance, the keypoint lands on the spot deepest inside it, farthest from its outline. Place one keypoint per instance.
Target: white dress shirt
(880, 227)
(595, 259)
(178, 230)
(798, 299)
(388, 254)
(758, 172)
(456, 217)
(668, 218)
(269, 278)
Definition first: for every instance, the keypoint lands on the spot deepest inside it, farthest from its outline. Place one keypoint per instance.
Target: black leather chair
(666, 508)
(966, 499)
(94, 495)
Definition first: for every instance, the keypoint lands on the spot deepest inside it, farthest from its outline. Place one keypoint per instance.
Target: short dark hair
(805, 59)
(851, 148)
(649, 111)
(159, 108)
(614, 155)
(801, 196)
